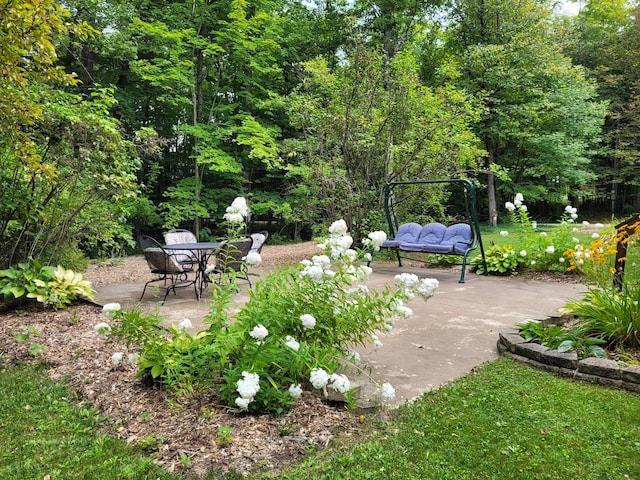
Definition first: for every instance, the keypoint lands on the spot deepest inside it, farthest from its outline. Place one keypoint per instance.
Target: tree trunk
(491, 184)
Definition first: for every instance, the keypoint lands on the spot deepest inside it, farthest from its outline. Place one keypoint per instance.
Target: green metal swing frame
(469, 190)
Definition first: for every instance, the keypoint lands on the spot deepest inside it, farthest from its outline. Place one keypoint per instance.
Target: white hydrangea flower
(339, 227)
(350, 254)
(295, 390)
(585, 223)
(248, 385)
(561, 259)
(292, 343)
(111, 309)
(550, 249)
(133, 358)
(595, 235)
(259, 332)
(314, 272)
(519, 198)
(504, 233)
(354, 357)
(116, 358)
(543, 234)
(339, 382)
(509, 206)
(184, 324)
(523, 208)
(574, 216)
(387, 391)
(240, 205)
(319, 378)
(243, 403)
(377, 238)
(368, 257)
(403, 311)
(376, 342)
(407, 280)
(427, 287)
(523, 253)
(321, 261)
(533, 262)
(308, 321)
(252, 259)
(233, 217)
(102, 328)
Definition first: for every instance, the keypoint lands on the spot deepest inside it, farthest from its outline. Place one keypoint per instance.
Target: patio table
(203, 252)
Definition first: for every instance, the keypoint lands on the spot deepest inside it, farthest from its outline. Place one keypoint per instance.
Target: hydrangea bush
(297, 330)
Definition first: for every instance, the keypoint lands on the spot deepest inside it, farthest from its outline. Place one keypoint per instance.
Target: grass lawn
(503, 421)
(44, 432)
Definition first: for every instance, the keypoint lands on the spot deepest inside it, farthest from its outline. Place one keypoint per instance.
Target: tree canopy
(119, 117)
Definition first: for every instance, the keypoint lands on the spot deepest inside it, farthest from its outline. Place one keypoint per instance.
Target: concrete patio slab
(446, 337)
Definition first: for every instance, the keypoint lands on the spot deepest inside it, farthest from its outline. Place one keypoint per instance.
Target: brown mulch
(184, 428)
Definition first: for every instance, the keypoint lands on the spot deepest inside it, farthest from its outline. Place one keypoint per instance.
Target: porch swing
(459, 238)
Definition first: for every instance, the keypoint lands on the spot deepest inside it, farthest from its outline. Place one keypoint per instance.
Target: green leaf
(22, 337)
(598, 351)
(565, 346)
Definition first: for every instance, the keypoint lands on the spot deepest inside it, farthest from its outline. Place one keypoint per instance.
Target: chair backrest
(160, 261)
(180, 235)
(258, 240)
(145, 241)
(231, 254)
(408, 232)
(460, 236)
(432, 233)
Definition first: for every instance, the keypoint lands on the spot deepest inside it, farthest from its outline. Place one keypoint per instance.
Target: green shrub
(556, 338)
(610, 314)
(297, 329)
(501, 260)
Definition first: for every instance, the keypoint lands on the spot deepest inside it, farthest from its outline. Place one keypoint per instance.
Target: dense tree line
(119, 117)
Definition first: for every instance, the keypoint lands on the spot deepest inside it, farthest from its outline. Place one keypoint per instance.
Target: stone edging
(567, 364)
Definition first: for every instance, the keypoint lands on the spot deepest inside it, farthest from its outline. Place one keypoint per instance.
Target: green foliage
(52, 286)
(297, 327)
(557, 338)
(610, 314)
(368, 122)
(501, 259)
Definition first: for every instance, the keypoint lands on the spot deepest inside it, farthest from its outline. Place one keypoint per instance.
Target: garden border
(567, 364)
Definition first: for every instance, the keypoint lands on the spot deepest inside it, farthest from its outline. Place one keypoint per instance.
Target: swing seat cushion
(436, 238)
(407, 232)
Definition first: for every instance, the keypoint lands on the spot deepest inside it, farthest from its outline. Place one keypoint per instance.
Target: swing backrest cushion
(407, 232)
(459, 237)
(429, 239)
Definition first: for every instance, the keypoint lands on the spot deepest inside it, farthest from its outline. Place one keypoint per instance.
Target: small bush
(53, 286)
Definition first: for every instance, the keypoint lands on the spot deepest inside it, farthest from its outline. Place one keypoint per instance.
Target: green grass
(503, 421)
(43, 433)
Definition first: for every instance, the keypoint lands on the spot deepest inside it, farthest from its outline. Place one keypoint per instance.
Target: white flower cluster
(238, 211)
(517, 204)
(320, 379)
(572, 212)
(387, 391)
(184, 324)
(338, 245)
(292, 343)
(117, 357)
(102, 329)
(410, 285)
(259, 332)
(247, 387)
(111, 310)
(317, 269)
(308, 321)
(252, 259)
(374, 240)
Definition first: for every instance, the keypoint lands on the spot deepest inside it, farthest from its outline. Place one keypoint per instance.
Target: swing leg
(399, 260)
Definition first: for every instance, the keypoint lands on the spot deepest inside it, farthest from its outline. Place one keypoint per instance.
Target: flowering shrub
(297, 330)
(235, 218)
(544, 251)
